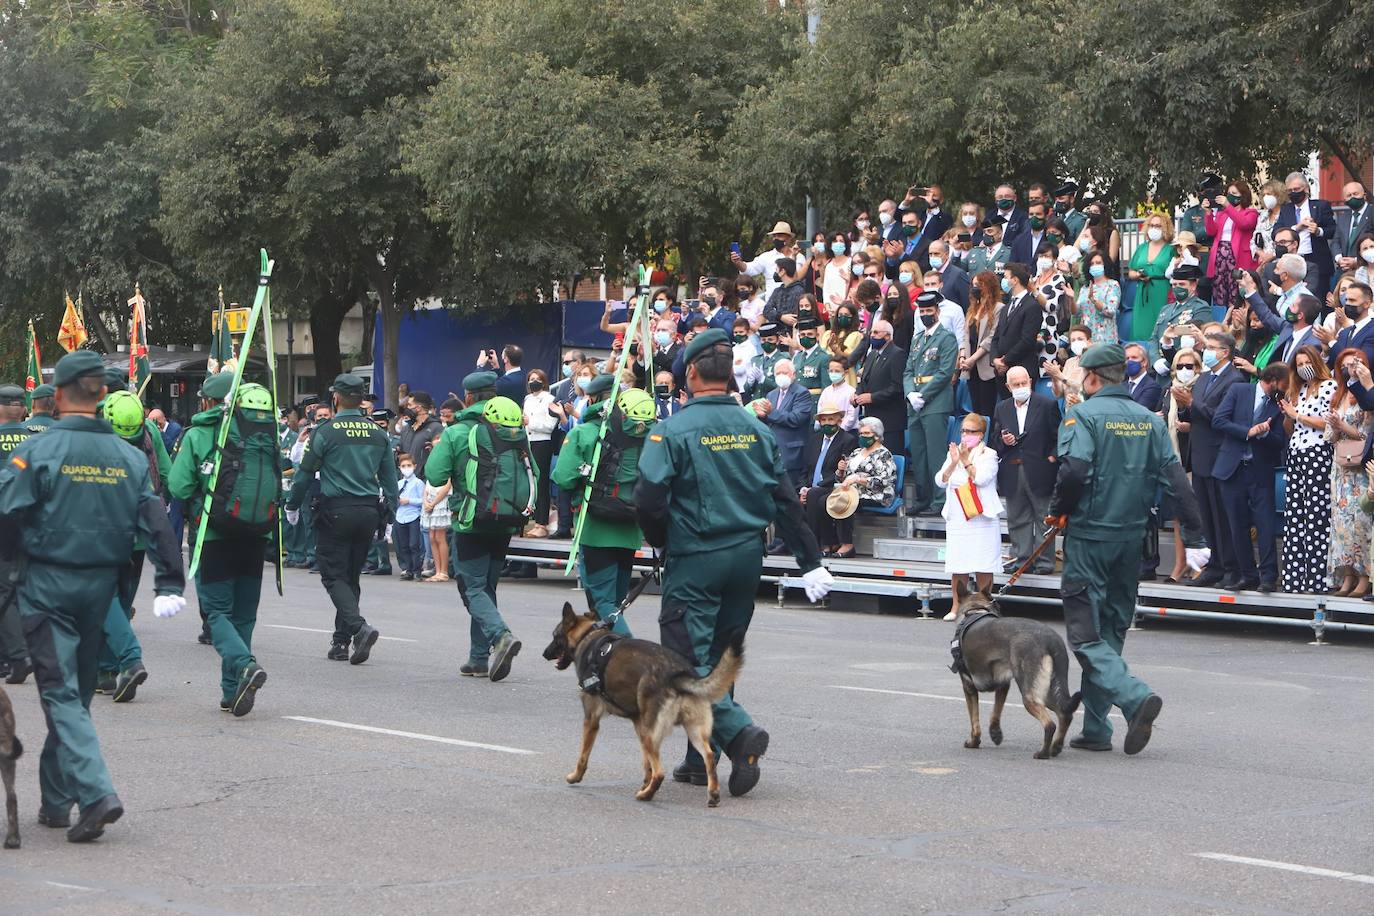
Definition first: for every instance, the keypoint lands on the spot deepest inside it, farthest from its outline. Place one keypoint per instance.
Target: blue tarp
(582, 324)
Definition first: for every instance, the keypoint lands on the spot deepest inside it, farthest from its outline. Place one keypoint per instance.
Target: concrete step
(909, 550)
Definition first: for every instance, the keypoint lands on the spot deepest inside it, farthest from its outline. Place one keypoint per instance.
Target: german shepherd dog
(653, 687)
(10, 751)
(1000, 650)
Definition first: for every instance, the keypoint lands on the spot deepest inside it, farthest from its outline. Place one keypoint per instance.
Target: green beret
(479, 380)
(77, 365)
(11, 394)
(1100, 356)
(702, 342)
(600, 384)
(216, 387)
(44, 391)
(116, 378)
(349, 385)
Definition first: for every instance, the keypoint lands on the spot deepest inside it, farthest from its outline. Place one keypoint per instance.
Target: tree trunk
(95, 323)
(369, 330)
(384, 285)
(326, 320)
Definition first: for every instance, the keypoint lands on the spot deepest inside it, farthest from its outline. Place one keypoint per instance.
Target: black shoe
(363, 641)
(1084, 744)
(105, 681)
(226, 705)
(127, 684)
(406, 577)
(250, 680)
(1011, 566)
(59, 820)
(384, 571)
(1246, 585)
(95, 819)
(1267, 588)
(204, 637)
(1229, 583)
(694, 773)
(1142, 723)
(19, 670)
(562, 534)
(314, 570)
(506, 648)
(471, 669)
(1207, 580)
(368, 571)
(1148, 576)
(339, 651)
(744, 753)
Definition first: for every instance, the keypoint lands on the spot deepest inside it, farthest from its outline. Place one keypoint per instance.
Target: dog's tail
(1060, 699)
(716, 684)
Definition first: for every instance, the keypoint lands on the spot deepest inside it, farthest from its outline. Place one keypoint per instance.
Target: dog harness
(592, 661)
(956, 645)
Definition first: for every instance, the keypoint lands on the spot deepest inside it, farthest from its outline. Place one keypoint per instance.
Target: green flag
(222, 342)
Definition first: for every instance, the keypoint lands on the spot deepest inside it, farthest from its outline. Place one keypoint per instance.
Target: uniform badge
(1070, 421)
(18, 462)
(655, 438)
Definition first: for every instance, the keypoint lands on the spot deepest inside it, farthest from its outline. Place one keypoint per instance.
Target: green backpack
(249, 486)
(498, 479)
(613, 487)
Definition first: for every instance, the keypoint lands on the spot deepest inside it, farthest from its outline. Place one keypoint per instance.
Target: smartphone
(805, 246)
(735, 250)
(964, 237)
(692, 304)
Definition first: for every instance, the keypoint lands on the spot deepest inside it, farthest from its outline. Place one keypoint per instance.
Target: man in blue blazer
(1360, 334)
(1024, 246)
(1140, 382)
(511, 384)
(1253, 441)
(954, 280)
(1352, 224)
(1315, 223)
(788, 411)
(1005, 202)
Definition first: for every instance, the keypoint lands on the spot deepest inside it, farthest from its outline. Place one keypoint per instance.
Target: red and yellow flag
(139, 368)
(72, 334)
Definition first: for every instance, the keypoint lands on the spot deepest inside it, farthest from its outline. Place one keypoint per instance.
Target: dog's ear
(569, 615)
(986, 592)
(961, 587)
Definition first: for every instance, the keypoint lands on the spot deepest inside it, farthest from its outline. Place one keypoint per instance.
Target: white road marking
(933, 696)
(68, 887)
(415, 735)
(1288, 866)
(282, 626)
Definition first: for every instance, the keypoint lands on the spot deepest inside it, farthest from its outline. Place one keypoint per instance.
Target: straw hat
(842, 502)
(782, 229)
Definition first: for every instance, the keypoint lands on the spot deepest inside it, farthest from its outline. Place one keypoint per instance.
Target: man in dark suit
(820, 470)
(666, 401)
(1253, 440)
(1024, 246)
(927, 206)
(1025, 428)
(1140, 383)
(879, 392)
(1315, 224)
(1005, 201)
(511, 384)
(1291, 332)
(1360, 334)
(1014, 342)
(1202, 403)
(1350, 225)
(954, 280)
(666, 345)
(787, 410)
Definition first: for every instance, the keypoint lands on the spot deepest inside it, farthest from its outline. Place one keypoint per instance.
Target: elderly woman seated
(865, 477)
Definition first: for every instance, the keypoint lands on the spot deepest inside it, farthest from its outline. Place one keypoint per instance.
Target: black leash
(654, 575)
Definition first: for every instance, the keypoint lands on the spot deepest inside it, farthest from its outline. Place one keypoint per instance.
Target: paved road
(869, 803)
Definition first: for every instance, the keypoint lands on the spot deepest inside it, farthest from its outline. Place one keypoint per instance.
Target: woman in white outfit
(972, 545)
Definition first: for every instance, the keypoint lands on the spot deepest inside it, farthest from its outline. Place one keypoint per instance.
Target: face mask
(709, 300)
(1097, 271)
(866, 441)
(1187, 341)
(1020, 395)
(1181, 293)
(862, 224)
(1154, 233)
(1343, 299)
(783, 381)
(885, 218)
(1061, 207)
(1043, 264)
(858, 269)
(1209, 358)
(744, 294)
(1233, 199)
(972, 440)
(407, 473)
(1132, 367)
(663, 338)
(740, 338)
(837, 248)
(1307, 372)
(1282, 248)
(992, 241)
(769, 346)
(779, 244)
(836, 377)
(536, 386)
(777, 278)
(1270, 201)
(583, 382)
(1005, 203)
(1054, 238)
(929, 320)
(808, 342)
(877, 343)
(1351, 312)
(936, 262)
(1354, 203)
(1297, 197)
(843, 321)
(904, 277)
(1037, 222)
(909, 231)
(1006, 285)
(661, 391)
(567, 370)
(1078, 347)
(969, 220)
(1367, 255)
(660, 305)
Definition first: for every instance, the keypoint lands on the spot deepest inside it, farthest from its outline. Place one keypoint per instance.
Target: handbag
(1348, 453)
(969, 500)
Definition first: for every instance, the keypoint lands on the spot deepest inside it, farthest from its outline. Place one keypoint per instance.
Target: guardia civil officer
(480, 550)
(14, 653)
(353, 458)
(710, 481)
(1113, 453)
(229, 578)
(55, 489)
(43, 409)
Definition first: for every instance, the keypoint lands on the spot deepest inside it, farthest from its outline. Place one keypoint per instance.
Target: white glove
(388, 534)
(1198, 557)
(1161, 366)
(818, 582)
(168, 605)
(916, 401)
(293, 516)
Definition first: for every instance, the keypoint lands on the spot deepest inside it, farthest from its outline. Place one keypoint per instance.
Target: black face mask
(777, 278)
(1351, 312)
(536, 385)
(1094, 219)
(1282, 247)
(1297, 197)
(709, 300)
(661, 390)
(779, 244)
(872, 306)
(929, 320)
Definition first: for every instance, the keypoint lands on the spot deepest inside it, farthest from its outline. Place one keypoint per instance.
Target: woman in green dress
(1149, 261)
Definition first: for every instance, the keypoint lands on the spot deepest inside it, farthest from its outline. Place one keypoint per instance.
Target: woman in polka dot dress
(1307, 492)
(1052, 291)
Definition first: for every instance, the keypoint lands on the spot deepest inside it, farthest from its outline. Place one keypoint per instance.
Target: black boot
(694, 773)
(744, 753)
(95, 819)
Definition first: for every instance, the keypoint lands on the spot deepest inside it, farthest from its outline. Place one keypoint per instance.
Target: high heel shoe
(1359, 591)
(845, 554)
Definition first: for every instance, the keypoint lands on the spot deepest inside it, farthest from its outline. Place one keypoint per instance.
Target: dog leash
(654, 575)
(1035, 555)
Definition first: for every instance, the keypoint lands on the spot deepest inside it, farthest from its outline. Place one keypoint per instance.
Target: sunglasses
(1187, 365)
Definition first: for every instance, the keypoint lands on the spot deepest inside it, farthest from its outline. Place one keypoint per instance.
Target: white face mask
(1020, 395)
(1079, 347)
(1085, 245)
(1270, 201)
(1186, 376)
(885, 218)
(1367, 255)
(970, 220)
(407, 473)
(783, 382)
(1155, 233)
(1043, 264)
(862, 224)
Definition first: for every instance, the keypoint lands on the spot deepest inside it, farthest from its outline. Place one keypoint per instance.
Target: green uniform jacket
(766, 362)
(1075, 221)
(711, 478)
(39, 422)
(80, 495)
(11, 434)
(186, 480)
(578, 449)
(983, 258)
(812, 367)
(353, 458)
(1194, 220)
(930, 369)
(1127, 454)
(1194, 311)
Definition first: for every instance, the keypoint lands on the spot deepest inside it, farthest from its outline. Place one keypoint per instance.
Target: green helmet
(637, 406)
(254, 397)
(124, 412)
(503, 412)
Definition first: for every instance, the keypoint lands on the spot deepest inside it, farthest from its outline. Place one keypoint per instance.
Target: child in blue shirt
(410, 546)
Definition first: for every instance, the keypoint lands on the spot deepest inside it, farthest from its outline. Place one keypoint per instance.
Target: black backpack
(244, 503)
(613, 487)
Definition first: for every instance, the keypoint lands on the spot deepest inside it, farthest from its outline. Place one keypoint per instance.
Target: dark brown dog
(654, 688)
(10, 751)
(997, 651)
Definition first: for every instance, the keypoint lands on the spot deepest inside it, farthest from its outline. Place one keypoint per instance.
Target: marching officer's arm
(21, 488)
(1076, 451)
(387, 474)
(652, 490)
(305, 473)
(439, 464)
(164, 460)
(163, 549)
(567, 471)
(184, 480)
(791, 525)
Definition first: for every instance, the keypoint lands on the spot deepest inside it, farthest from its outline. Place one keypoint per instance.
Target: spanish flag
(72, 334)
